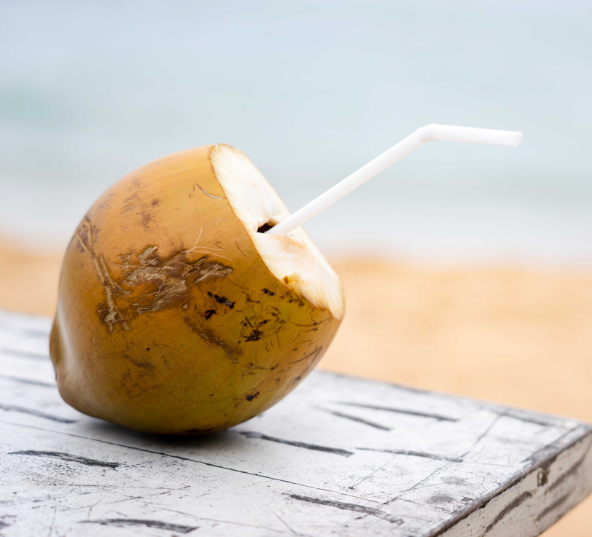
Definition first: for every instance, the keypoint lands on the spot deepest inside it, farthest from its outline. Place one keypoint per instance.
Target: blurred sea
(311, 91)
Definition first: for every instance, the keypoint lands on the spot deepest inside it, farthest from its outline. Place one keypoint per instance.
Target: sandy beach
(519, 336)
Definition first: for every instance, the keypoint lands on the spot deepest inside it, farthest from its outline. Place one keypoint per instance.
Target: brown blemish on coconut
(251, 397)
(163, 283)
(108, 313)
(168, 279)
(146, 219)
(131, 203)
(213, 340)
(255, 335)
(134, 382)
(213, 270)
(223, 300)
(142, 364)
(165, 279)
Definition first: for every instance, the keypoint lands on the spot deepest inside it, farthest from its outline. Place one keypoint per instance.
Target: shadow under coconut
(208, 448)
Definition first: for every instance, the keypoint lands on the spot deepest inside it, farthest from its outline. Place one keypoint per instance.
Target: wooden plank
(339, 456)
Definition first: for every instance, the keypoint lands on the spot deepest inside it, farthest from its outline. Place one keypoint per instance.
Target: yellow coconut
(176, 314)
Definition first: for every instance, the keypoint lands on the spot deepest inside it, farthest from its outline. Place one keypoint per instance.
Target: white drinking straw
(395, 153)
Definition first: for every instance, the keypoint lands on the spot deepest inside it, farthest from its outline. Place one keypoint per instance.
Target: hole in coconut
(266, 227)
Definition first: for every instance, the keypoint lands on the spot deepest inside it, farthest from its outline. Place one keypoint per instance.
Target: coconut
(177, 314)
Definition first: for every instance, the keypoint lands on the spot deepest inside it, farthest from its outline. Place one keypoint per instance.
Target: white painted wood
(340, 456)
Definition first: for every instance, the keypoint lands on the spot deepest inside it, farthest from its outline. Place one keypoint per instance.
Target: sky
(311, 91)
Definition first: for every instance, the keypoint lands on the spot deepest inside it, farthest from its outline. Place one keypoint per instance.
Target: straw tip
(515, 139)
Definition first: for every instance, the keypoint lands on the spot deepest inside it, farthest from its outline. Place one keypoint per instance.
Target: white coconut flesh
(294, 259)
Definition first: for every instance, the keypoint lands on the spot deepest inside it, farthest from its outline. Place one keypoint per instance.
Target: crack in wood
(313, 447)
(516, 502)
(33, 412)
(431, 415)
(141, 522)
(557, 503)
(66, 457)
(418, 484)
(352, 487)
(356, 419)
(287, 525)
(568, 473)
(413, 454)
(143, 497)
(350, 507)
(484, 434)
(536, 421)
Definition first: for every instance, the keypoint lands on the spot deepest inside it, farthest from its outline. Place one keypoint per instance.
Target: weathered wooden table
(340, 456)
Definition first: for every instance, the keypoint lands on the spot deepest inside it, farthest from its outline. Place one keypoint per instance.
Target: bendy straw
(421, 136)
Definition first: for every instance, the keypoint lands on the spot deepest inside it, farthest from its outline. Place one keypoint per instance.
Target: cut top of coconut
(293, 259)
